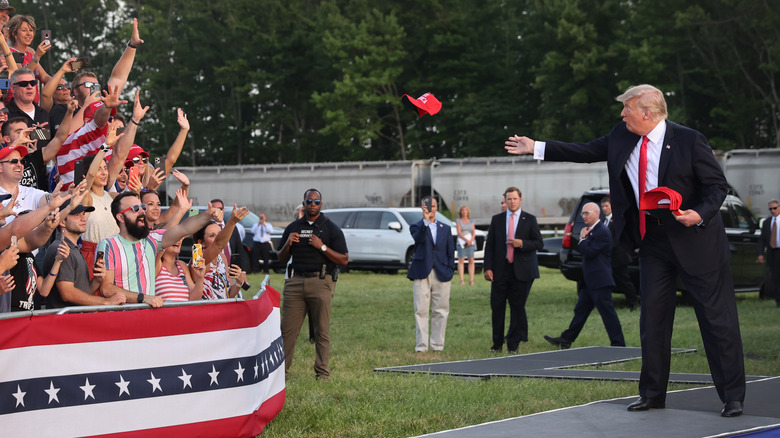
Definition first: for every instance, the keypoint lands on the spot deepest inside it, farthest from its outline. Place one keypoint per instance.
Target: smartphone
(428, 202)
(41, 134)
(235, 259)
(19, 58)
(159, 163)
(134, 173)
(14, 239)
(197, 254)
(46, 36)
(98, 257)
(78, 172)
(80, 63)
(5, 84)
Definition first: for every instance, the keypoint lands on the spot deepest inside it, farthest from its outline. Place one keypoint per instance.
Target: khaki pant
(299, 295)
(427, 291)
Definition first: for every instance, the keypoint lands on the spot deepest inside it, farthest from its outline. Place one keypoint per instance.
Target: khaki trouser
(426, 292)
(299, 295)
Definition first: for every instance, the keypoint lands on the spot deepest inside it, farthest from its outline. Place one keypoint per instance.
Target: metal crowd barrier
(126, 307)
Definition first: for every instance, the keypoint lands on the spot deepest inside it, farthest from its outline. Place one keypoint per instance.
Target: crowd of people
(81, 217)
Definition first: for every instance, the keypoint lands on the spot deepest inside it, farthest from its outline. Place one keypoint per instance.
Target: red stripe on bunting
(243, 426)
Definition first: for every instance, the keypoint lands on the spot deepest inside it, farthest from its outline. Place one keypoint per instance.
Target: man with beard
(72, 285)
(130, 255)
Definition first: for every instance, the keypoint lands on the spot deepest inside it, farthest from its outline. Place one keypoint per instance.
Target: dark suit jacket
(766, 235)
(525, 265)
(687, 166)
(596, 248)
(427, 256)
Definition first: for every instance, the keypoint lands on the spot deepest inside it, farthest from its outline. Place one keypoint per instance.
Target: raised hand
(111, 97)
(182, 119)
(238, 213)
(135, 38)
(139, 111)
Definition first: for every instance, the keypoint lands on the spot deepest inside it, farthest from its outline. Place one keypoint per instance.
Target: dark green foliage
(266, 81)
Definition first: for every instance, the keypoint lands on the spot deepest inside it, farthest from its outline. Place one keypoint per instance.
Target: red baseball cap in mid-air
(425, 104)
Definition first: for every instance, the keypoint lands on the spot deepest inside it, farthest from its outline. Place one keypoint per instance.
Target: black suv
(742, 230)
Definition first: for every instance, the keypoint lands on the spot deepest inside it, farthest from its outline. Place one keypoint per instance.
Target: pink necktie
(642, 182)
(510, 249)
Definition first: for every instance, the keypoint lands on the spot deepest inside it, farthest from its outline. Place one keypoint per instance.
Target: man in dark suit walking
(621, 258)
(510, 263)
(596, 288)
(431, 270)
(769, 248)
(643, 152)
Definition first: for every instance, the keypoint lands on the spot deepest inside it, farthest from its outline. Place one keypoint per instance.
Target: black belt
(306, 274)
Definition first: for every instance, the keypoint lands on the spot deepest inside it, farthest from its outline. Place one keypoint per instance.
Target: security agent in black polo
(317, 247)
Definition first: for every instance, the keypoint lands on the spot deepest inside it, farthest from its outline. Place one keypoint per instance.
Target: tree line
(276, 81)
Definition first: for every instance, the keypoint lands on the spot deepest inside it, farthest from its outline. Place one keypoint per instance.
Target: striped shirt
(84, 142)
(132, 261)
(171, 287)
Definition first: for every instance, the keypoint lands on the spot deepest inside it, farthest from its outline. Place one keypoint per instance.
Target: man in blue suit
(431, 270)
(511, 265)
(643, 152)
(596, 289)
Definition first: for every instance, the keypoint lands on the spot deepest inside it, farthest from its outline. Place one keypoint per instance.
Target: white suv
(379, 239)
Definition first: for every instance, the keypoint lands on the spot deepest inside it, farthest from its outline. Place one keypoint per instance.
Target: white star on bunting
(213, 374)
(155, 383)
(185, 378)
(123, 385)
(52, 391)
(87, 388)
(239, 373)
(19, 396)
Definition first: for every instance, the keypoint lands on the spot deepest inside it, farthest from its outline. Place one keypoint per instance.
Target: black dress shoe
(644, 403)
(495, 349)
(558, 342)
(731, 409)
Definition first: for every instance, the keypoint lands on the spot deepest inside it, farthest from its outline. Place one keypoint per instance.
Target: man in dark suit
(431, 270)
(511, 265)
(643, 152)
(621, 258)
(769, 248)
(596, 288)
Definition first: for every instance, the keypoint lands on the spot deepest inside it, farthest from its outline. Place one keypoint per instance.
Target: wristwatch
(140, 297)
(324, 248)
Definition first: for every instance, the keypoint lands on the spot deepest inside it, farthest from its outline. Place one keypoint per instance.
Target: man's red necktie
(510, 234)
(642, 182)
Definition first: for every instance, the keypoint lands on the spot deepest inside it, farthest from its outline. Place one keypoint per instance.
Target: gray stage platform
(558, 364)
(688, 413)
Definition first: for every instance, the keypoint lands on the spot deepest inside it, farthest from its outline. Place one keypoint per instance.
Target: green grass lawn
(372, 325)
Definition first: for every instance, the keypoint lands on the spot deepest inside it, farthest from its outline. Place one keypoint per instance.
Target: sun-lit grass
(372, 326)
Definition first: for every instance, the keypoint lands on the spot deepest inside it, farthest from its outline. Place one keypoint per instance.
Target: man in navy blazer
(511, 265)
(596, 288)
(692, 246)
(769, 249)
(431, 270)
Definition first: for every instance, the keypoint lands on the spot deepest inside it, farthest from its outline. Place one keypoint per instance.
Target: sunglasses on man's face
(773, 208)
(88, 84)
(63, 87)
(12, 161)
(315, 201)
(136, 208)
(24, 84)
